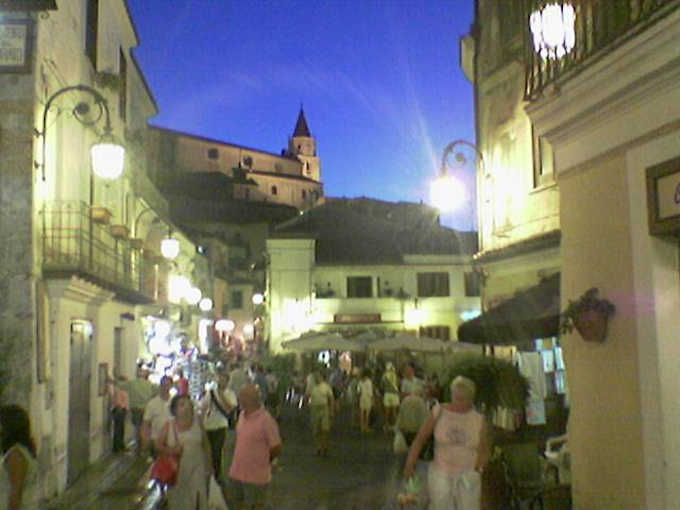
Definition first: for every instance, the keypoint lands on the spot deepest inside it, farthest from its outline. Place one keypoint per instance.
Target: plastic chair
(557, 455)
(524, 470)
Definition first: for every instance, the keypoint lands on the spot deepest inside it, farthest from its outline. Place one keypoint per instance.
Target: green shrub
(499, 383)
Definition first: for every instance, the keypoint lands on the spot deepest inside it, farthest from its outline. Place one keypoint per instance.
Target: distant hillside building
(358, 263)
(291, 178)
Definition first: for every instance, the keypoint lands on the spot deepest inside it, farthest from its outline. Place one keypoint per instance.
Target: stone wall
(16, 236)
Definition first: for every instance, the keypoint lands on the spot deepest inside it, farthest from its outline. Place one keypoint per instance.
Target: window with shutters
(359, 287)
(433, 284)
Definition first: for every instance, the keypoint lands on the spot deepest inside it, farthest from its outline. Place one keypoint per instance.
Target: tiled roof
(365, 231)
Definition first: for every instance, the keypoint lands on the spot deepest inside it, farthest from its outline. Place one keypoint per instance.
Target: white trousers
(449, 492)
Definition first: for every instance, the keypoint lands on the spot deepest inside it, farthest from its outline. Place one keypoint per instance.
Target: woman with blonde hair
(461, 450)
(18, 469)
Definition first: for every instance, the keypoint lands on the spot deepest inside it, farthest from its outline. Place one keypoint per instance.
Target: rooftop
(368, 231)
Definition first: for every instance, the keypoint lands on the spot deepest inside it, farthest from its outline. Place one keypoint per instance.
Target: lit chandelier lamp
(552, 29)
(107, 155)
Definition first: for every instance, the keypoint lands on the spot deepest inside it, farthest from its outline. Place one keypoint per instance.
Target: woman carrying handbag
(185, 438)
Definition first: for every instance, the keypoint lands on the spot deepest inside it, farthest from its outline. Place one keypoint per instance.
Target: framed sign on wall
(16, 37)
(663, 197)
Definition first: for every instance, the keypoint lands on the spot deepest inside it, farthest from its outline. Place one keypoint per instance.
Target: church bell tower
(302, 145)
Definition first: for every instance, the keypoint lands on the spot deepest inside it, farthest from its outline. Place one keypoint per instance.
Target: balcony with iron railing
(76, 243)
(592, 29)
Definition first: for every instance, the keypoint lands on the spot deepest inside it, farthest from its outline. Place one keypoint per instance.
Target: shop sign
(357, 317)
(663, 197)
(27, 5)
(15, 46)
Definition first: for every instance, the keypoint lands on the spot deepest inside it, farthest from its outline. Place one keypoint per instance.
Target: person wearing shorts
(390, 388)
(365, 401)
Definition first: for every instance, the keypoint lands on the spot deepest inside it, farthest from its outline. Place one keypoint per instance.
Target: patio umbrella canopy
(322, 342)
(405, 341)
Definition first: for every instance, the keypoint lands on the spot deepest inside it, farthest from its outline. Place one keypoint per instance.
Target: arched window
(274, 190)
(304, 194)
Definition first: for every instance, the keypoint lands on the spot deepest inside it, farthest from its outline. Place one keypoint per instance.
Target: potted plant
(119, 231)
(589, 315)
(100, 214)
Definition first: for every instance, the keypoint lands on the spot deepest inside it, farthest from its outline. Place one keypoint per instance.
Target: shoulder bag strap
(217, 404)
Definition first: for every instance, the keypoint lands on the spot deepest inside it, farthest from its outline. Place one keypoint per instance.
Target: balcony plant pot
(588, 315)
(100, 214)
(591, 325)
(120, 231)
(136, 243)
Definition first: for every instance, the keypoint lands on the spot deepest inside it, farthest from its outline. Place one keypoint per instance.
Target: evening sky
(380, 82)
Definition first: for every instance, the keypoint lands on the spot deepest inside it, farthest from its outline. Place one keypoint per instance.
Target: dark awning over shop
(531, 314)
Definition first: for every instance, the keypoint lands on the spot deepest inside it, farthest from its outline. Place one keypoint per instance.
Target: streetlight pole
(107, 156)
(447, 192)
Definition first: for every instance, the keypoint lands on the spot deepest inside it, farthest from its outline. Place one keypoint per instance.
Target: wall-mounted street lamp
(258, 299)
(447, 192)
(107, 156)
(552, 29)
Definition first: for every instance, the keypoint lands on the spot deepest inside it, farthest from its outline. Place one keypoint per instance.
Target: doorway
(79, 399)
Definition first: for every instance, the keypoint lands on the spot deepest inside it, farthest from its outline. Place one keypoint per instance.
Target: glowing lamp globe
(552, 29)
(258, 299)
(225, 326)
(193, 295)
(205, 304)
(447, 193)
(248, 330)
(178, 286)
(170, 248)
(107, 160)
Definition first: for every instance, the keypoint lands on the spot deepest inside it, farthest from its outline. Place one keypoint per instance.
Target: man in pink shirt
(258, 443)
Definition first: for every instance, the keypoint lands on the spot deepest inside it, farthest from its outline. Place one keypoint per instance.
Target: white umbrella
(322, 342)
(403, 340)
(407, 341)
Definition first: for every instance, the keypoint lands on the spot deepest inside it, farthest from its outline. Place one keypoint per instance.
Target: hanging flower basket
(589, 315)
(100, 214)
(119, 231)
(592, 325)
(136, 243)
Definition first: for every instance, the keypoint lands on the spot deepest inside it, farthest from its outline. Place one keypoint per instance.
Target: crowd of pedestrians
(195, 433)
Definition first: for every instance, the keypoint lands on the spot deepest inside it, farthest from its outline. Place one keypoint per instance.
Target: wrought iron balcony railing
(74, 244)
(600, 26)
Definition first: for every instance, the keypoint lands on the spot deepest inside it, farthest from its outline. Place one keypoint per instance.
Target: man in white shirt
(156, 414)
(215, 406)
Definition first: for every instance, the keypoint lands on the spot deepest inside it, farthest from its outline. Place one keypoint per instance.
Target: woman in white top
(184, 437)
(365, 401)
(18, 487)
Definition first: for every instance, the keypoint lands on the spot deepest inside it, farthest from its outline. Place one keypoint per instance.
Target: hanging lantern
(170, 247)
(225, 326)
(107, 159)
(552, 28)
(205, 304)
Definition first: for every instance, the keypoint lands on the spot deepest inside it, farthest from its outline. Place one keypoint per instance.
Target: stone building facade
(593, 122)
(291, 178)
(80, 253)
(355, 264)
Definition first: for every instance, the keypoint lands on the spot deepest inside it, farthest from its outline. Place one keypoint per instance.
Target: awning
(530, 314)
